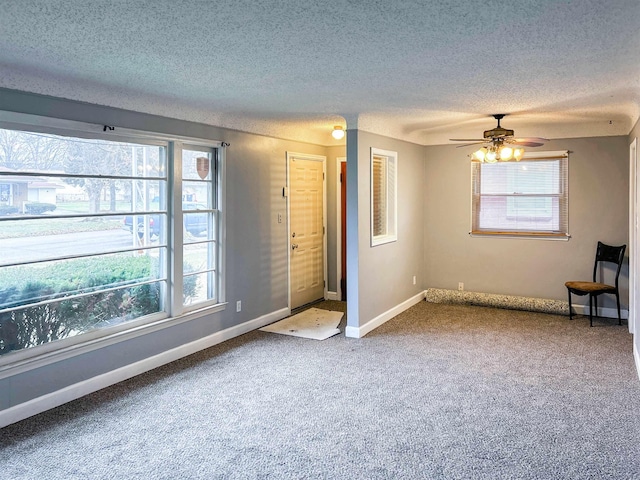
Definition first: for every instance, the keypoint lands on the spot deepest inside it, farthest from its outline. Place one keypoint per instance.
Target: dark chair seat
(590, 287)
(604, 253)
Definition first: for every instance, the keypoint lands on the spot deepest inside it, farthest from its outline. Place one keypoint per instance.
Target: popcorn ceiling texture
(419, 71)
(542, 305)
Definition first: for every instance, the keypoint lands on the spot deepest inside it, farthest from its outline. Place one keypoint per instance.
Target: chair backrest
(608, 253)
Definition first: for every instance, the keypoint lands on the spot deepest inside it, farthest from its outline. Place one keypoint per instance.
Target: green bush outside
(46, 322)
(38, 208)
(8, 210)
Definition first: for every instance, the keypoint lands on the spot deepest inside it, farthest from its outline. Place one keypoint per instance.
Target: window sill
(381, 240)
(32, 360)
(524, 235)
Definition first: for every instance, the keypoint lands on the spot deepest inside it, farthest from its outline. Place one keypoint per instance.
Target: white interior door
(306, 229)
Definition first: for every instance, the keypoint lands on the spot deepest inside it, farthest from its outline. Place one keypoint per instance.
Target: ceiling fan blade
(523, 143)
(468, 144)
(531, 139)
(467, 140)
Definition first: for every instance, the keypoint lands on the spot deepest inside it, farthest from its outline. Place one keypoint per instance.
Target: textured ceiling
(416, 70)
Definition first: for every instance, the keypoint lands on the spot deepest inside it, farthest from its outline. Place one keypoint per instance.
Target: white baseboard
(72, 392)
(636, 356)
(332, 296)
(602, 312)
(359, 332)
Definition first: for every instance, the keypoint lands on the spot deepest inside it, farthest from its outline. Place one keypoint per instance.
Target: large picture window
(88, 238)
(525, 198)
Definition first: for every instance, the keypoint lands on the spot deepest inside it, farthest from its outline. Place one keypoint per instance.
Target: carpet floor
(439, 392)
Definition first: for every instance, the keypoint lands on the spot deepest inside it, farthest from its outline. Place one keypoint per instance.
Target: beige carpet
(314, 323)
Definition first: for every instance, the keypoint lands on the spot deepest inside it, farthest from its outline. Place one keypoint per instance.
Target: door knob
(294, 246)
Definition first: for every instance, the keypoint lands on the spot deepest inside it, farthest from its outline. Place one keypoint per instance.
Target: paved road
(53, 246)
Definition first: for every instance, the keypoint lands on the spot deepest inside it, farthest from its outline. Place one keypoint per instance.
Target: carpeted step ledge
(543, 305)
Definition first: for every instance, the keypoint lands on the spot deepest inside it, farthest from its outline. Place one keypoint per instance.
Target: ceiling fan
(498, 143)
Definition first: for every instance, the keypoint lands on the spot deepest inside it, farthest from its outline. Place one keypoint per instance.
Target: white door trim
(634, 245)
(339, 162)
(316, 158)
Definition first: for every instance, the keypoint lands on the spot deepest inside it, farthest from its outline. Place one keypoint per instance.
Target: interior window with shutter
(383, 196)
(525, 198)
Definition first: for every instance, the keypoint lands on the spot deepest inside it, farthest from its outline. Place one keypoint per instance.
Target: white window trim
(525, 235)
(392, 202)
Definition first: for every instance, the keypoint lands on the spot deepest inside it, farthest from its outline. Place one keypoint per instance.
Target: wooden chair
(604, 253)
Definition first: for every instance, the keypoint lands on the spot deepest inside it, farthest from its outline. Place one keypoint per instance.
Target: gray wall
(433, 224)
(256, 256)
(386, 271)
(598, 210)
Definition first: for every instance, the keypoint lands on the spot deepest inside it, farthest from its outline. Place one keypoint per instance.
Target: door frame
(339, 162)
(634, 239)
(315, 158)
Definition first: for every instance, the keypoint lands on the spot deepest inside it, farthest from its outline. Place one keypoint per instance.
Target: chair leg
(570, 311)
(618, 303)
(591, 299)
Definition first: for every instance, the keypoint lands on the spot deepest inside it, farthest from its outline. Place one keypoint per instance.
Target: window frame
(563, 200)
(169, 315)
(215, 245)
(390, 219)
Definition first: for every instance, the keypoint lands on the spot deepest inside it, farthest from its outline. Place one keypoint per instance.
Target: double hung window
(525, 198)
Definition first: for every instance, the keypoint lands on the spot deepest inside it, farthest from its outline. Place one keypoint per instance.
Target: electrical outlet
(238, 305)
(461, 286)
(279, 218)
(414, 279)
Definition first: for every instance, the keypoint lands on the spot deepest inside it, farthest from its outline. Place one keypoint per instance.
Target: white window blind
(383, 196)
(529, 197)
(379, 196)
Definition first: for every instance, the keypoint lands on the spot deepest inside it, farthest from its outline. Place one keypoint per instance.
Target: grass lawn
(53, 226)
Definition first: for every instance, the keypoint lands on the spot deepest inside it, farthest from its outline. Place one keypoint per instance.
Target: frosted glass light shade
(338, 132)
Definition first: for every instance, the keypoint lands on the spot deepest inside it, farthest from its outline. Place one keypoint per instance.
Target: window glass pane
(199, 288)
(74, 296)
(198, 257)
(196, 165)
(200, 224)
(49, 154)
(35, 240)
(76, 248)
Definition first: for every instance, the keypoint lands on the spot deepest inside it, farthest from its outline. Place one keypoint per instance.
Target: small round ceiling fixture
(338, 132)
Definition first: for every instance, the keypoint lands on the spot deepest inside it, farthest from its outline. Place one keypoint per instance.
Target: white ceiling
(417, 70)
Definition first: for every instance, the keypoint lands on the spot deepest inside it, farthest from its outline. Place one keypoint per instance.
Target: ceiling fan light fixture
(506, 153)
(500, 144)
(518, 153)
(479, 155)
(338, 132)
